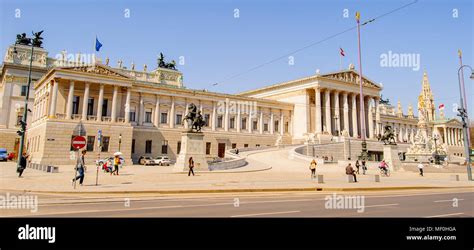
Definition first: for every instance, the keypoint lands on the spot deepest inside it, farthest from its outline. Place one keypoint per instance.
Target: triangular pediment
(97, 69)
(351, 77)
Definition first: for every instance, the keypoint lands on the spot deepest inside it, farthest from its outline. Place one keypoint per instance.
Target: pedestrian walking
(420, 167)
(357, 166)
(364, 168)
(351, 171)
(80, 168)
(23, 162)
(116, 165)
(191, 166)
(312, 167)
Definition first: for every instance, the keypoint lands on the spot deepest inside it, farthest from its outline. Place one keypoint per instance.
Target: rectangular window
(257, 145)
(234, 145)
(133, 146)
(164, 118)
(164, 147)
(219, 121)
(105, 143)
(104, 107)
(207, 118)
(265, 127)
(208, 148)
(148, 147)
(178, 121)
(148, 116)
(178, 148)
(255, 125)
(244, 123)
(246, 145)
(286, 127)
(276, 123)
(132, 116)
(90, 106)
(24, 88)
(232, 122)
(75, 105)
(90, 143)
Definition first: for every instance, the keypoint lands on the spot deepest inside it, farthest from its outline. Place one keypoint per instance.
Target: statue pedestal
(390, 155)
(192, 145)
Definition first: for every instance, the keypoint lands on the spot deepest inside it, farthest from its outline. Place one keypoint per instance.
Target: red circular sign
(78, 142)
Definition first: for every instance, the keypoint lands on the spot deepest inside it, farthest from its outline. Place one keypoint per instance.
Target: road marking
(273, 213)
(382, 205)
(443, 215)
(452, 200)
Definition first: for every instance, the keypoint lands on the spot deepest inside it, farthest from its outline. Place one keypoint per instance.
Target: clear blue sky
(217, 46)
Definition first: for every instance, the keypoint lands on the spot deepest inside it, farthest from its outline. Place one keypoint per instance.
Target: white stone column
(54, 100)
(445, 139)
(282, 123)
(70, 97)
(100, 103)
(114, 105)
(127, 104)
(261, 121)
(337, 126)
(157, 111)
(140, 110)
(346, 112)
(327, 100)
(355, 130)
(186, 108)
(172, 116)
(377, 116)
(214, 118)
(226, 115)
(272, 122)
(317, 112)
(239, 120)
(85, 101)
(371, 118)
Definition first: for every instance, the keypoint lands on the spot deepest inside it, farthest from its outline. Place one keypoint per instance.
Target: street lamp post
(363, 155)
(436, 138)
(464, 118)
(336, 118)
(25, 111)
(120, 141)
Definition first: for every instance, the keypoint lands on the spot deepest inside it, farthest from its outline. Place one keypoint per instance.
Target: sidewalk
(161, 179)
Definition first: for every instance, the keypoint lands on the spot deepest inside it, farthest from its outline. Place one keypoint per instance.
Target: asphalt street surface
(405, 203)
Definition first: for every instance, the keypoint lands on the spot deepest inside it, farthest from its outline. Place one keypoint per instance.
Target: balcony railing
(76, 116)
(106, 119)
(92, 118)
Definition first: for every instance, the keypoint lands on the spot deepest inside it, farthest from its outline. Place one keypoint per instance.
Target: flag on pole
(342, 52)
(357, 16)
(98, 45)
(441, 107)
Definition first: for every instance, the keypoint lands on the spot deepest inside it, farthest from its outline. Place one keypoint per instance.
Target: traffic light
(22, 130)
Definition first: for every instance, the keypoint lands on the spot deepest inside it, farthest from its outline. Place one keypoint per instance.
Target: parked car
(162, 161)
(146, 160)
(3, 154)
(102, 161)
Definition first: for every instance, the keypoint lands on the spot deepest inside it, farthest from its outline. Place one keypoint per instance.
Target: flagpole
(361, 94)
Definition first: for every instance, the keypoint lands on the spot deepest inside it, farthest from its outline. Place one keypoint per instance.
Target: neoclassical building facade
(140, 112)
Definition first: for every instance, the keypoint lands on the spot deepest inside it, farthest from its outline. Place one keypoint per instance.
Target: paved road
(414, 203)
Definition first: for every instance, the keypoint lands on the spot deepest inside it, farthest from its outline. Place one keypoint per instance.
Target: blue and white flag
(98, 45)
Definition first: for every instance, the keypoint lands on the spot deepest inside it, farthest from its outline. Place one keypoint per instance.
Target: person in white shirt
(420, 167)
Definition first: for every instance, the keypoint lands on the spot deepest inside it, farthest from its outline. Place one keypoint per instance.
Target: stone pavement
(267, 170)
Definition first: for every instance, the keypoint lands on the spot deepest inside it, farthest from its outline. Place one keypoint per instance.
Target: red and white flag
(342, 52)
(441, 107)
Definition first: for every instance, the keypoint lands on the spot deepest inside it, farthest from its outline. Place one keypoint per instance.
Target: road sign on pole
(99, 145)
(78, 142)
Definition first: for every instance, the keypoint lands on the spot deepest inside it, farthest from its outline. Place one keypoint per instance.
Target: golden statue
(421, 102)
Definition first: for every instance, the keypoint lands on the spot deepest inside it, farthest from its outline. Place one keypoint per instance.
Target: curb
(200, 191)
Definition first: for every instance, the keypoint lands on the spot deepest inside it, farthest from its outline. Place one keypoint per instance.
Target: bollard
(455, 177)
(350, 178)
(320, 178)
(377, 178)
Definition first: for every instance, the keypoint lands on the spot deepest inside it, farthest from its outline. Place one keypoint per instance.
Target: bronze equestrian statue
(388, 136)
(194, 119)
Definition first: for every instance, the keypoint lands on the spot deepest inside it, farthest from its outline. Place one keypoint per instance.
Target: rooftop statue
(163, 64)
(388, 136)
